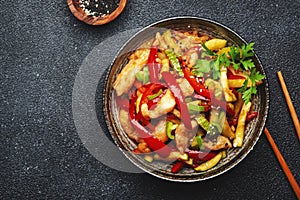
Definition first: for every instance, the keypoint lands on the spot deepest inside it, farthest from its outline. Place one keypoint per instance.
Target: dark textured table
(42, 48)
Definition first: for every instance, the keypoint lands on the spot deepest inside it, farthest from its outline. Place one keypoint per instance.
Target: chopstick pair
(280, 158)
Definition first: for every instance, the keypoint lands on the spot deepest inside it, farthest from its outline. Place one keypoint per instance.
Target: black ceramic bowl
(160, 169)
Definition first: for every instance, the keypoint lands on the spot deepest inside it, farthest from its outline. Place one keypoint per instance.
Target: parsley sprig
(241, 59)
(247, 92)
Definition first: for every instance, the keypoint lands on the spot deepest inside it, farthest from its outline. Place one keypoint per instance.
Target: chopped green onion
(188, 99)
(174, 61)
(153, 96)
(169, 128)
(203, 122)
(218, 93)
(218, 126)
(140, 76)
(222, 117)
(143, 76)
(194, 107)
(200, 142)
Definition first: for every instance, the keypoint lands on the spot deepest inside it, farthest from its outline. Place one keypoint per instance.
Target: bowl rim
(241, 154)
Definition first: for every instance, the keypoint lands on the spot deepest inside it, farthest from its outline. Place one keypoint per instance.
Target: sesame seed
(98, 8)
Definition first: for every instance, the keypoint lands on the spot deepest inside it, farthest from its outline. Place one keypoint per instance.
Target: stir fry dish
(186, 98)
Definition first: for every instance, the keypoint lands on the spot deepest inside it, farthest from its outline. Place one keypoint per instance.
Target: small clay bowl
(80, 14)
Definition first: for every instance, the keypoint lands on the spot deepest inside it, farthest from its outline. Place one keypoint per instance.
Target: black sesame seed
(98, 8)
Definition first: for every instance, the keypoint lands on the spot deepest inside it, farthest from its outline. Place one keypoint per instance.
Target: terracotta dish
(79, 12)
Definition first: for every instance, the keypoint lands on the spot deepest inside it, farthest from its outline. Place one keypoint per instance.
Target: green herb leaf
(248, 64)
(256, 76)
(247, 95)
(203, 66)
(197, 73)
(234, 54)
(236, 66)
(248, 92)
(247, 50)
(216, 74)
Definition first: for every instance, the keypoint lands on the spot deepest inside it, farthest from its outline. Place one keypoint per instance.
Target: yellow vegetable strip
(237, 83)
(215, 44)
(226, 130)
(239, 134)
(210, 163)
(229, 95)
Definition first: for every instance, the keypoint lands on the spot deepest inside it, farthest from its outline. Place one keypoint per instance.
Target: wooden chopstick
(289, 103)
(283, 164)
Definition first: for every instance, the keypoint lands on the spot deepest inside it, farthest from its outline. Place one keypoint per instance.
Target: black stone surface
(42, 48)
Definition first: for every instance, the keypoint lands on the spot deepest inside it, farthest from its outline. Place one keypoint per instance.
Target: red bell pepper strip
(232, 121)
(179, 98)
(230, 75)
(200, 156)
(198, 87)
(146, 90)
(155, 144)
(251, 115)
(153, 66)
(177, 166)
(150, 89)
(229, 111)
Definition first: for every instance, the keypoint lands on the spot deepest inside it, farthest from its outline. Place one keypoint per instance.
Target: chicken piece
(221, 143)
(193, 58)
(183, 136)
(143, 147)
(193, 37)
(162, 43)
(166, 104)
(165, 66)
(126, 125)
(160, 131)
(185, 87)
(126, 78)
(170, 41)
(145, 111)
